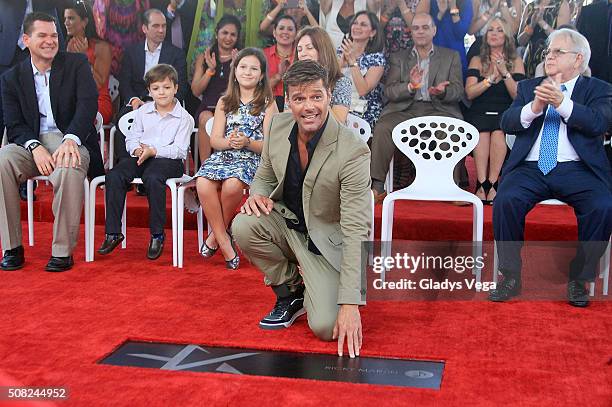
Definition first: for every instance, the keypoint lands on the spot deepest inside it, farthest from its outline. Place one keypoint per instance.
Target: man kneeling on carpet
(157, 145)
(310, 206)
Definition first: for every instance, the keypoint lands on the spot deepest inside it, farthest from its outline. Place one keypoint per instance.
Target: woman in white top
(335, 16)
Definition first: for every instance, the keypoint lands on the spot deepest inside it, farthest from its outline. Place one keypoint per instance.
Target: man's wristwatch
(32, 146)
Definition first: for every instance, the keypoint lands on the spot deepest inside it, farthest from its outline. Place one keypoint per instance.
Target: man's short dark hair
(160, 72)
(30, 19)
(303, 72)
(146, 16)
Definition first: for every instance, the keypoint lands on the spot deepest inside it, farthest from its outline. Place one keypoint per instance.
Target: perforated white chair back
(359, 126)
(435, 145)
(209, 126)
(113, 87)
(127, 122)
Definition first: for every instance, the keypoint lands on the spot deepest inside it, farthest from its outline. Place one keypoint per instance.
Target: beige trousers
(16, 166)
(277, 250)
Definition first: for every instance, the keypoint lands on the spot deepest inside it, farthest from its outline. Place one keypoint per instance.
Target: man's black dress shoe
(13, 259)
(156, 247)
(59, 264)
(508, 288)
(23, 191)
(111, 241)
(140, 190)
(577, 294)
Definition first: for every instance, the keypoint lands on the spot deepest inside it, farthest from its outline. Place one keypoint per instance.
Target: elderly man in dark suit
(50, 104)
(558, 153)
(423, 81)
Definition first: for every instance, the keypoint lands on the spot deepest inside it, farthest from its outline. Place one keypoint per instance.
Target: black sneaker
(285, 312)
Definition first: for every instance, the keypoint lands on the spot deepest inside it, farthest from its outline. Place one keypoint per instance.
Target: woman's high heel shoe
(206, 251)
(235, 262)
(494, 186)
(486, 187)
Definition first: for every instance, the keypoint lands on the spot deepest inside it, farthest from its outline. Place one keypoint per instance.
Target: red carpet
(55, 327)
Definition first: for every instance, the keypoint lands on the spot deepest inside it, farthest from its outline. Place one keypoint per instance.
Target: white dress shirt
(47, 121)
(565, 150)
(169, 134)
(151, 57)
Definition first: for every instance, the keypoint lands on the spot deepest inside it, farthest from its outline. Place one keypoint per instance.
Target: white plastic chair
(362, 129)
(125, 124)
(30, 194)
(435, 145)
(113, 87)
(604, 263)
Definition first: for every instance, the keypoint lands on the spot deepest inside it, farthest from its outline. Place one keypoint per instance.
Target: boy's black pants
(154, 173)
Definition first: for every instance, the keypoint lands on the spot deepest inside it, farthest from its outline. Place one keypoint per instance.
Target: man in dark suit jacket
(50, 104)
(558, 153)
(13, 12)
(138, 59)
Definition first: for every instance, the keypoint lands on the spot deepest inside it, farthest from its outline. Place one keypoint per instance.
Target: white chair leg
(389, 179)
(477, 221)
(174, 210)
(93, 186)
(495, 262)
(200, 227)
(88, 255)
(30, 193)
(111, 147)
(123, 228)
(180, 203)
(386, 230)
(592, 288)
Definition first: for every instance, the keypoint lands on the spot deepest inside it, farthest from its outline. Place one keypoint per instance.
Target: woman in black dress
(491, 86)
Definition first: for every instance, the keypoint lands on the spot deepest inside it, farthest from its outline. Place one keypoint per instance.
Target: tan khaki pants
(16, 166)
(277, 250)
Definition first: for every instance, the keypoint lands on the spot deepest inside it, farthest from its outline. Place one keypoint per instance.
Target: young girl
(242, 119)
(211, 75)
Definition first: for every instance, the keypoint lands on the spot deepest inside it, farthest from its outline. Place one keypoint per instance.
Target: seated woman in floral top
(361, 55)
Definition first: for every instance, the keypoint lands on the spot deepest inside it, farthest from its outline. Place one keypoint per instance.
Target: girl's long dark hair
(83, 10)
(263, 92)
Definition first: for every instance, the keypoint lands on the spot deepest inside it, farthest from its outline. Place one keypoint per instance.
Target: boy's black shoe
(156, 247)
(111, 241)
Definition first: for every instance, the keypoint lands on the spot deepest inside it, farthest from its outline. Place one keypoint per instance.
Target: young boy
(157, 146)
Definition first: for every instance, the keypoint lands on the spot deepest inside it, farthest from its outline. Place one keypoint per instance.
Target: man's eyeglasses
(556, 52)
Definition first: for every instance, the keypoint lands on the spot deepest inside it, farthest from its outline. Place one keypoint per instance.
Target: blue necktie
(550, 139)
